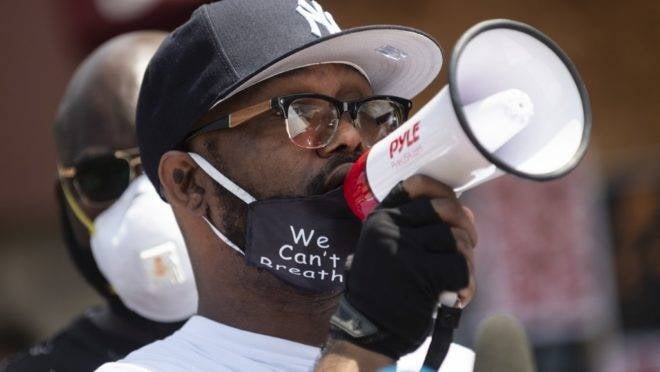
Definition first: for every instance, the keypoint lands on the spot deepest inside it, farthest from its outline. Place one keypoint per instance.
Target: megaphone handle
(449, 314)
(449, 299)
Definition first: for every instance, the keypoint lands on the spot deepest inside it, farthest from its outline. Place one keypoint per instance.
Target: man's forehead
(94, 125)
(97, 112)
(83, 146)
(332, 76)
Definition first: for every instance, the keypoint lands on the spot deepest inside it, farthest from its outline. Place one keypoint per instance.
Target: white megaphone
(514, 103)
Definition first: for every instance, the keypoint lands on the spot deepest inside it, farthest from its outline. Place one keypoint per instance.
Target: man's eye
(302, 113)
(307, 112)
(388, 119)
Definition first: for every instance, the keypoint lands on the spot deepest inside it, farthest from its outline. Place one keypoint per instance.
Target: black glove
(405, 257)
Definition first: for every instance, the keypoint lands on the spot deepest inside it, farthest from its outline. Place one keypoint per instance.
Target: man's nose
(346, 139)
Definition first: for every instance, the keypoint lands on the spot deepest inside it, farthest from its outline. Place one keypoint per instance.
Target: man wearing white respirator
(122, 237)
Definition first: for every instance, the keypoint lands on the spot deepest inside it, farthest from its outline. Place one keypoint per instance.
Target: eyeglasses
(103, 178)
(312, 119)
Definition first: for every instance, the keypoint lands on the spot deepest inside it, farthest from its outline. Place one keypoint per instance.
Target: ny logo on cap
(315, 16)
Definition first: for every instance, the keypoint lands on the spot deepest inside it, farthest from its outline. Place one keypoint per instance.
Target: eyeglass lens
(378, 118)
(311, 122)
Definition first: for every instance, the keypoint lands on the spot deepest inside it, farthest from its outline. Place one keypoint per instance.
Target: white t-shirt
(203, 345)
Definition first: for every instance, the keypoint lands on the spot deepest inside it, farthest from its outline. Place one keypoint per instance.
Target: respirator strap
(76, 209)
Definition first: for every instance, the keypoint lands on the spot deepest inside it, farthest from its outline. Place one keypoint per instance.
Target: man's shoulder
(152, 357)
(124, 367)
(202, 345)
(79, 347)
(172, 354)
(161, 366)
(161, 358)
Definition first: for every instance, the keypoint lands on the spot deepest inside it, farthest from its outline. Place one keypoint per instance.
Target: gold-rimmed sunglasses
(101, 178)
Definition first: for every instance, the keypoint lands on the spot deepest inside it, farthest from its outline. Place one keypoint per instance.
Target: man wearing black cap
(104, 205)
(249, 117)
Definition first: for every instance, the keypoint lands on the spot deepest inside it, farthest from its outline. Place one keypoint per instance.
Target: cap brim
(396, 60)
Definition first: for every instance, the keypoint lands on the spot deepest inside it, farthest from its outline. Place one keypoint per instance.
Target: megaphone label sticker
(399, 152)
(404, 140)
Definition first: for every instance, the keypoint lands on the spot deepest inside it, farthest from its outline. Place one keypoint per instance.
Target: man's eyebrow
(352, 93)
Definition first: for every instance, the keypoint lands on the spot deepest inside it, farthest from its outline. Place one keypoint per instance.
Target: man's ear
(181, 183)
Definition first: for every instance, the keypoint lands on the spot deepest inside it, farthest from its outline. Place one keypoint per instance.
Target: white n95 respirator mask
(139, 249)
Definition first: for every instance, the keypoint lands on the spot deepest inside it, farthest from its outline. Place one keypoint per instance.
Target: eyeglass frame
(282, 103)
(130, 155)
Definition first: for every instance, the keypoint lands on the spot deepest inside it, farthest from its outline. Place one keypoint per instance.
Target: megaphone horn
(514, 104)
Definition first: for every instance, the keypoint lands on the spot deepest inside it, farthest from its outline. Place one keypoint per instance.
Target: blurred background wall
(603, 220)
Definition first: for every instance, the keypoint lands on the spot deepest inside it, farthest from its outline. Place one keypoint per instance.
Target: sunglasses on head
(104, 177)
(312, 120)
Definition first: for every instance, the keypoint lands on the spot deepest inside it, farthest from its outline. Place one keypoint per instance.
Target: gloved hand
(412, 247)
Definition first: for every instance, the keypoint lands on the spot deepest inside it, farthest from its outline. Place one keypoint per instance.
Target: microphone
(502, 346)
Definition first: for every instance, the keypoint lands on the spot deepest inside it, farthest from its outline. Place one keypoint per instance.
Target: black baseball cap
(228, 46)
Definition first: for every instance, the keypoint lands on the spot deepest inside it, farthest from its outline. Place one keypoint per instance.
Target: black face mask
(302, 241)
